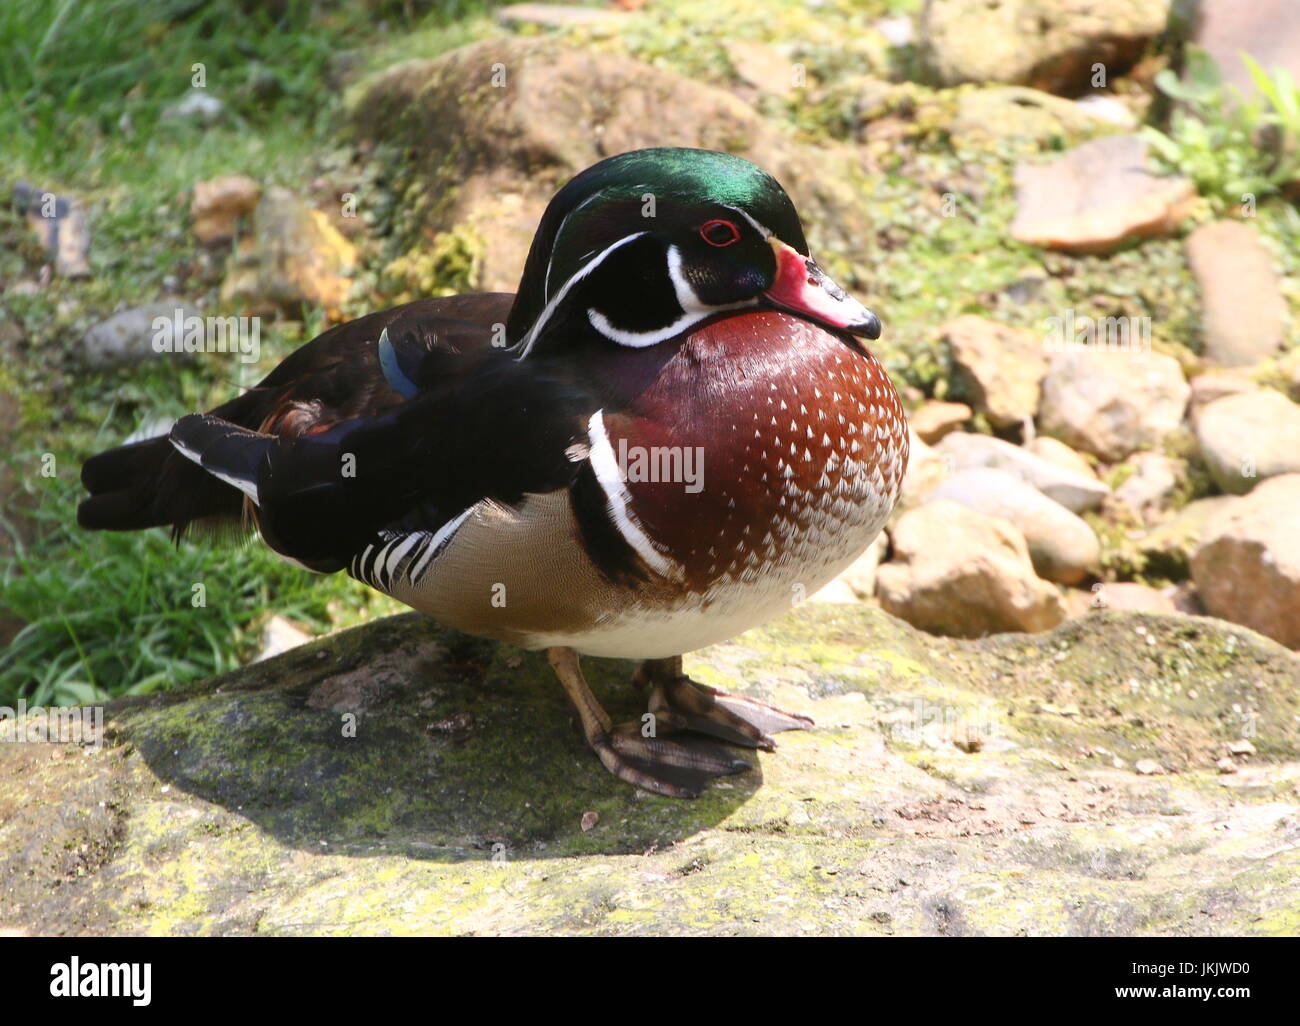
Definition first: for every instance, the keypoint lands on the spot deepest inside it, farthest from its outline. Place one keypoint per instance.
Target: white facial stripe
(694, 309)
(762, 230)
(559, 233)
(576, 277)
(687, 298)
(605, 465)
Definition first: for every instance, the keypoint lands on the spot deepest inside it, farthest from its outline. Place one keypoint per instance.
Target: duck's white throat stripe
(619, 500)
(693, 308)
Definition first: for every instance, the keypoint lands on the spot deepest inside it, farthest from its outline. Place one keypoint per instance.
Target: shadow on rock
(403, 737)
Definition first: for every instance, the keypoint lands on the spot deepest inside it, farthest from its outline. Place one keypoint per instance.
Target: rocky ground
(1092, 780)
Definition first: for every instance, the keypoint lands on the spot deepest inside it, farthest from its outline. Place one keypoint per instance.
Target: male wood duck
(670, 434)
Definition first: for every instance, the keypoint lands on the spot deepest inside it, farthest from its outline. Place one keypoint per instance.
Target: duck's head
(642, 246)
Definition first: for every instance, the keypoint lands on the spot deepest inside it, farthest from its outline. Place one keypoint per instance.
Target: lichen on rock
(948, 787)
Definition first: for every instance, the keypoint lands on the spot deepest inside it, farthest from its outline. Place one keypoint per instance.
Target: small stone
(898, 31)
(127, 337)
(998, 368)
(1268, 30)
(1063, 548)
(589, 820)
(1206, 388)
(1148, 767)
(61, 225)
(961, 573)
(1097, 197)
(1243, 312)
(197, 105)
(934, 419)
(1226, 765)
(1249, 437)
(858, 582)
(1000, 114)
(279, 636)
(1153, 480)
(456, 723)
(1110, 403)
(762, 66)
(219, 203)
(1053, 450)
(1127, 595)
(1107, 108)
(1076, 492)
(1248, 568)
(295, 256)
(1241, 747)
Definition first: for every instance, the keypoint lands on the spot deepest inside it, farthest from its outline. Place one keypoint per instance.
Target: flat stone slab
(1243, 312)
(984, 787)
(1097, 197)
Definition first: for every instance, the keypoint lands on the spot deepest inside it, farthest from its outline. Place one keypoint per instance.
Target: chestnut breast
(763, 445)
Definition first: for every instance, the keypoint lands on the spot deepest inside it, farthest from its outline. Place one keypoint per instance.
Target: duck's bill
(803, 288)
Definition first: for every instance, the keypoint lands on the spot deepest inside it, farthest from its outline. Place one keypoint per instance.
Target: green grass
(82, 593)
(80, 110)
(1232, 146)
(74, 69)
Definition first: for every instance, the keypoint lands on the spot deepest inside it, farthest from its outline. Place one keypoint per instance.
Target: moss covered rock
(479, 140)
(949, 787)
(1042, 43)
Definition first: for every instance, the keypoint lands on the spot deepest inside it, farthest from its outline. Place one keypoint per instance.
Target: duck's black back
(334, 377)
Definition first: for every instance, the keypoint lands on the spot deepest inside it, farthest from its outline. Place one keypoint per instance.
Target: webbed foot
(681, 704)
(676, 767)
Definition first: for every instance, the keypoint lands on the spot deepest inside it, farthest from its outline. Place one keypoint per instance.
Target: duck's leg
(679, 703)
(677, 768)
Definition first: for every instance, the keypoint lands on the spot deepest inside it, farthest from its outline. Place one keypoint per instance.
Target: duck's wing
(487, 427)
(335, 377)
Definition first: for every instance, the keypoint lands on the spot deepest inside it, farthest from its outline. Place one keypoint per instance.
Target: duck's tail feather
(151, 484)
(228, 452)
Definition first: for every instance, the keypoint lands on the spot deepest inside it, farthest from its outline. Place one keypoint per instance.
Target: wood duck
(670, 434)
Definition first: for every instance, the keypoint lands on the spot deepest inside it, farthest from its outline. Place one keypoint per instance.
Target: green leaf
(1201, 72)
(1170, 84)
(1162, 144)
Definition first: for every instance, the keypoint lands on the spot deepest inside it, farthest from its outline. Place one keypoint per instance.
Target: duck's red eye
(719, 233)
